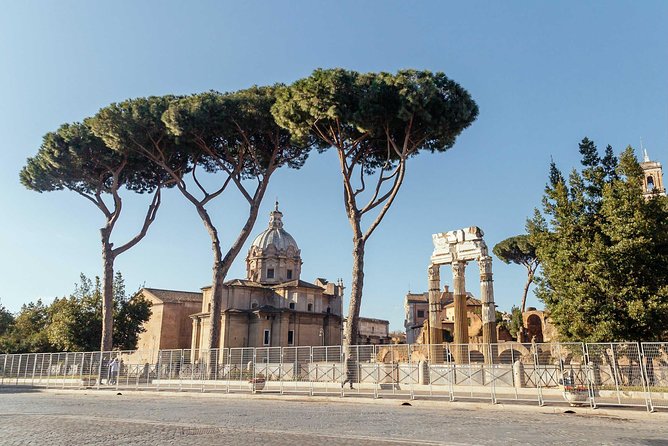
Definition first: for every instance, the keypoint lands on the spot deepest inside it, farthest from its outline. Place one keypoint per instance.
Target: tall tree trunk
(222, 264)
(526, 291)
(522, 328)
(218, 279)
(234, 250)
(357, 284)
(107, 291)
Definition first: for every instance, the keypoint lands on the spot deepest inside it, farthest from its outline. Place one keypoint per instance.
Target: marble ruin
(457, 248)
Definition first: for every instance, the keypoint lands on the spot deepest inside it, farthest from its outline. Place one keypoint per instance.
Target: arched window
(650, 183)
(310, 307)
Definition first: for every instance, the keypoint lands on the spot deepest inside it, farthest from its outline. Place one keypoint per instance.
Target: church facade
(271, 307)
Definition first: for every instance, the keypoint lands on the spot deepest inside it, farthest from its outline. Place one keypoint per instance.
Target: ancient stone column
(459, 291)
(435, 329)
(487, 298)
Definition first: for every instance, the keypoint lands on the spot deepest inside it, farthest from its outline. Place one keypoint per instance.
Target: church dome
(275, 235)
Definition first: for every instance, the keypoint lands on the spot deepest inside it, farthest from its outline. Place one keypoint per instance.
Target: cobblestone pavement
(37, 418)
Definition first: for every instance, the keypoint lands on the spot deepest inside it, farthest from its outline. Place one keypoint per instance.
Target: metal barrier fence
(603, 374)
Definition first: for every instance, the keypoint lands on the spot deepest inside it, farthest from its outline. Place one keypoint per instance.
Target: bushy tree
(232, 135)
(74, 323)
(6, 319)
(520, 251)
(603, 249)
(73, 158)
(28, 332)
(375, 122)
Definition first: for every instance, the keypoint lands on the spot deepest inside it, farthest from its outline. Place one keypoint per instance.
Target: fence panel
(431, 371)
(563, 373)
(296, 364)
(469, 378)
(655, 355)
(326, 369)
(395, 373)
(242, 361)
(268, 370)
(3, 367)
(599, 374)
(512, 372)
(360, 369)
(616, 374)
(168, 369)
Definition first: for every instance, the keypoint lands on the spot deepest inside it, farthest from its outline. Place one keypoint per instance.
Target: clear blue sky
(545, 74)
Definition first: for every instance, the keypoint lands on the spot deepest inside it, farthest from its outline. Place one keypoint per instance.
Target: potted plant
(575, 394)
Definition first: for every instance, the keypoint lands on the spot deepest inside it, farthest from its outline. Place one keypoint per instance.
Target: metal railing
(595, 375)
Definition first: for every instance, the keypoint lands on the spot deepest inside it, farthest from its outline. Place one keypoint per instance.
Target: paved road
(81, 418)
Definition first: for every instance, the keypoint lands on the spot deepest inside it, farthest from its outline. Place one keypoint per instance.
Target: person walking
(349, 370)
(113, 372)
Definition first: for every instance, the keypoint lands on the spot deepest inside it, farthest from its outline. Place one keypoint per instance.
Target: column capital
(485, 265)
(458, 268)
(434, 271)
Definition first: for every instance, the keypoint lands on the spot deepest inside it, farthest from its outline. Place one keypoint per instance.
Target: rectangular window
(292, 305)
(270, 273)
(420, 313)
(289, 274)
(267, 337)
(310, 307)
(469, 320)
(291, 337)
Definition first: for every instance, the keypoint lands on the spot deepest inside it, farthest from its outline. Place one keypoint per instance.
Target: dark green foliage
(604, 252)
(233, 135)
(28, 331)
(371, 112)
(134, 129)
(73, 158)
(75, 323)
(375, 122)
(235, 132)
(520, 251)
(517, 250)
(6, 319)
(514, 324)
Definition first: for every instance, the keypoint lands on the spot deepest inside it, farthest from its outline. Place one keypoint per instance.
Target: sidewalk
(621, 413)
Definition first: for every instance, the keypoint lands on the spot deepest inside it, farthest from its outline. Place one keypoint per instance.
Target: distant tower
(652, 181)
